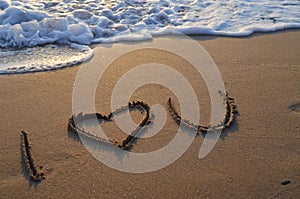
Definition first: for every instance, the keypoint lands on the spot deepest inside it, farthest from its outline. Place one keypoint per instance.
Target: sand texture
(250, 160)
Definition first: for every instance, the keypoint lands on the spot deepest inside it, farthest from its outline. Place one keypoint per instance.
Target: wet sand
(250, 160)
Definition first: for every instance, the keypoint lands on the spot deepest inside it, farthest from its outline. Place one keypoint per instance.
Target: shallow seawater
(41, 58)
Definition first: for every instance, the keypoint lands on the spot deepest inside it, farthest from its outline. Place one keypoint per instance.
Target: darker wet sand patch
(295, 107)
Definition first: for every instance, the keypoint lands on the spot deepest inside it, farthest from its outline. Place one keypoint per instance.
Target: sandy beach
(250, 160)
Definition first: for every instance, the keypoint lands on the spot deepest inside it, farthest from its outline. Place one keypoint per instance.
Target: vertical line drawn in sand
(36, 174)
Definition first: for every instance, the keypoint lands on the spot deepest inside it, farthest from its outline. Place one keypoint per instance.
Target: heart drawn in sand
(125, 143)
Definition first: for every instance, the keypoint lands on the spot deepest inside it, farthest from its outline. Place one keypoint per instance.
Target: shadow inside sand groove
(232, 129)
(25, 171)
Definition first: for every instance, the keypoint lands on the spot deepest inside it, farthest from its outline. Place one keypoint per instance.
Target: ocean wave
(32, 23)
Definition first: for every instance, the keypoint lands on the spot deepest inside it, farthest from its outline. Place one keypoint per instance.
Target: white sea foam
(25, 23)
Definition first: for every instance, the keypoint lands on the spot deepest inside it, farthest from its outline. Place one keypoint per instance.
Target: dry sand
(251, 160)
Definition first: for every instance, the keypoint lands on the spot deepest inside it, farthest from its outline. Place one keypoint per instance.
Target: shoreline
(262, 150)
(198, 37)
